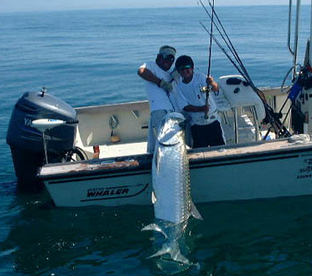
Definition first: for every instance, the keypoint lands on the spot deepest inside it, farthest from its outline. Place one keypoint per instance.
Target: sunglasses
(169, 58)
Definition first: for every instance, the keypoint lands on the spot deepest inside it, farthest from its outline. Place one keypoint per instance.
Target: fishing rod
(292, 92)
(223, 50)
(232, 49)
(227, 41)
(271, 117)
(239, 69)
(209, 63)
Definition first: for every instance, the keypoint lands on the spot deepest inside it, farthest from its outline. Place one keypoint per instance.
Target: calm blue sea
(91, 57)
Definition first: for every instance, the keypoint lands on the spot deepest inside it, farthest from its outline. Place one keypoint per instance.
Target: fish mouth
(171, 139)
(168, 144)
(175, 115)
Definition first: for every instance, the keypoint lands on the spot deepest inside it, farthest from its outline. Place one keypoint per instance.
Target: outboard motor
(26, 142)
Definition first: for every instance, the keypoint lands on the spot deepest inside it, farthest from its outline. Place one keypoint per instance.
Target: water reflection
(235, 238)
(44, 239)
(257, 237)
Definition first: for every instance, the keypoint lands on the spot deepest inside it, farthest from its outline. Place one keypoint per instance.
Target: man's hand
(209, 80)
(167, 86)
(214, 85)
(175, 75)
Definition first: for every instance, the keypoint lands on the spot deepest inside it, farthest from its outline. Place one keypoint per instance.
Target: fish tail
(154, 227)
(174, 251)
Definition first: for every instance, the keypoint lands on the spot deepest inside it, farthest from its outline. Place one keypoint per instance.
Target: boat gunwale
(141, 164)
(111, 106)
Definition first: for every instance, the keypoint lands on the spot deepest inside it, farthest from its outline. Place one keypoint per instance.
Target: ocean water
(91, 57)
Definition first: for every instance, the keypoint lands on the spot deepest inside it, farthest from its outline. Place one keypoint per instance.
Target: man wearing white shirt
(158, 86)
(205, 132)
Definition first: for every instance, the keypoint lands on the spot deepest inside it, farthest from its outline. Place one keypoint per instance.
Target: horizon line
(127, 8)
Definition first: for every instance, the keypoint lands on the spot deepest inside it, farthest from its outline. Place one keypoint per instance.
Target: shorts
(207, 135)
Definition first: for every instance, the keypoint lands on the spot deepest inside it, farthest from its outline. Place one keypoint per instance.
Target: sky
(50, 5)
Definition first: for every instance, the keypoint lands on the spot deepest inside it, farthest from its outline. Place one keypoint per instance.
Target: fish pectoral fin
(195, 212)
(154, 198)
(154, 227)
(156, 159)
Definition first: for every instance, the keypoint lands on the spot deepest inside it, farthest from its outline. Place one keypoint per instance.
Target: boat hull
(264, 176)
(259, 170)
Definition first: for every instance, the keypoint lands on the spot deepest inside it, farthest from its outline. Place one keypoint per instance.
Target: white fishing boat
(97, 155)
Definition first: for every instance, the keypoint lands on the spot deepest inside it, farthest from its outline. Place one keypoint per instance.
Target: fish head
(171, 133)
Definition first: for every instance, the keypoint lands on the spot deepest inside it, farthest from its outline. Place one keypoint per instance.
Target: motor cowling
(26, 142)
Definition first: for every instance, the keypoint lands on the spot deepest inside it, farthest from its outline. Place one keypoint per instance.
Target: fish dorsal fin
(195, 212)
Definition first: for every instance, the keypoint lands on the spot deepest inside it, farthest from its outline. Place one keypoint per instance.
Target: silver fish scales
(171, 175)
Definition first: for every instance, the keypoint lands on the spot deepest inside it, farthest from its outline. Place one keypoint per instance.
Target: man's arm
(147, 75)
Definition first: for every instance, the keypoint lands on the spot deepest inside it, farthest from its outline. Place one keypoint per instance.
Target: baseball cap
(184, 62)
(167, 50)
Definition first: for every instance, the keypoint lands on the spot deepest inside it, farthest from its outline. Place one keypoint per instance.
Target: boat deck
(118, 150)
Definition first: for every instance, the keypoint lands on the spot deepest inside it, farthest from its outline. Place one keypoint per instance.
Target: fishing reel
(205, 89)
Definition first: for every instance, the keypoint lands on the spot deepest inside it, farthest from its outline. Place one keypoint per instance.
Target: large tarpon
(171, 186)
(171, 174)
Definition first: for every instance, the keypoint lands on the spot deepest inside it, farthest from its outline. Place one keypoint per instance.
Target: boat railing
(294, 50)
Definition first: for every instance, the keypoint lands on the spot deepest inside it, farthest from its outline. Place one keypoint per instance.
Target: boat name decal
(122, 191)
(306, 171)
(308, 161)
(103, 192)
(304, 176)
